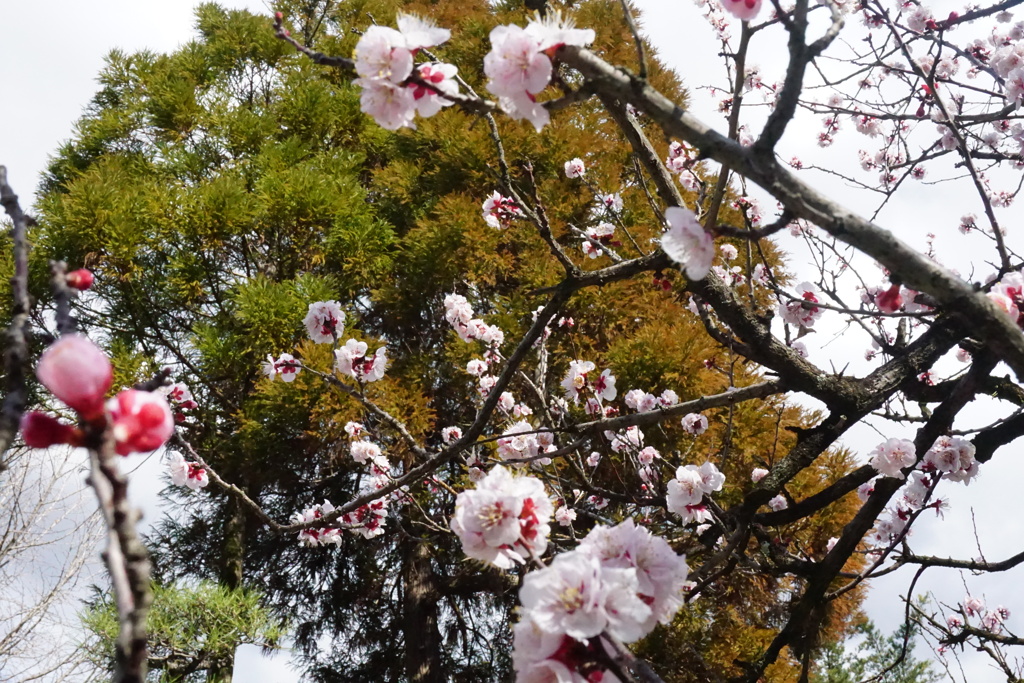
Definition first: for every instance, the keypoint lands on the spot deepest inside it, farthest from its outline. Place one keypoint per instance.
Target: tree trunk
(419, 623)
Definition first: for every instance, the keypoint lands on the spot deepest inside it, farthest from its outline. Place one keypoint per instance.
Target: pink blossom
(576, 596)
(565, 516)
(354, 429)
(364, 451)
(778, 503)
(802, 312)
(324, 322)
(351, 360)
(317, 535)
(687, 243)
(973, 606)
(647, 455)
(668, 398)
(449, 434)
(593, 459)
(77, 372)
(184, 473)
(695, 423)
(744, 10)
(504, 519)
(179, 395)
(141, 421)
(893, 455)
(286, 367)
(442, 77)
(757, 474)
(630, 439)
(661, 573)
(420, 33)
(391, 106)
(499, 211)
(685, 490)
(574, 168)
(889, 300)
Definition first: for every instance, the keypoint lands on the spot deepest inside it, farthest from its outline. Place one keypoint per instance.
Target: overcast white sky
(51, 53)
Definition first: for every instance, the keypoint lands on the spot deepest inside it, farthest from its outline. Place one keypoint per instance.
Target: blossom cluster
(78, 373)
(351, 360)
(620, 581)
(802, 310)
(685, 496)
(184, 473)
(499, 211)
(519, 67)
(504, 520)
(459, 314)
(581, 380)
(384, 60)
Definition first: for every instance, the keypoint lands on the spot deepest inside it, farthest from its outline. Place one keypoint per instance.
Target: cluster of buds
(78, 373)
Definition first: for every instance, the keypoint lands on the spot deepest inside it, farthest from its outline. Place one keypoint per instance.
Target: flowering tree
(559, 348)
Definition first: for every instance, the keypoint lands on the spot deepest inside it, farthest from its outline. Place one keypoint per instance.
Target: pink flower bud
(142, 421)
(889, 300)
(80, 279)
(77, 372)
(40, 430)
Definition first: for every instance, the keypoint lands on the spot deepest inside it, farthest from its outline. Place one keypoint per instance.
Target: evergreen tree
(219, 190)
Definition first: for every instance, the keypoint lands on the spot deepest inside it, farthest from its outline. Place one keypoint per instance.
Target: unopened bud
(40, 430)
(80, 279)
(141, 420)
(77, 372)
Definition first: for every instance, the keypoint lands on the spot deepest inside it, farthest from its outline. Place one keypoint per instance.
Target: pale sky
(52, 52)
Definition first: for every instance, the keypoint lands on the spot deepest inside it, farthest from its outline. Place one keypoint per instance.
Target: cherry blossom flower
(285, 367)
(757, 474)
(577, 379)
(325, 321)
(745, 10)
(893, 455)
(687, 243)
(500, 211)
(954, 457)
(694, 423)
(449, 434)
(141, 421)
(661, 573)
(668, 398)
(630, 439)
(354, 429)
(685, 494)
(504, 519)
(351, 360)
(802, 312)
(179, 396)
(317, 535)
(364, 451)
(184, 473)
(711, 479)
(973, 606)
(647, 455)
(593, 459)
(576, 596)
(420, 33)
(565, 516)
(77, 372)
(574, 168)
(778, 503)
(518, 443)
(611, 203)
(640, 400)
(442, 77)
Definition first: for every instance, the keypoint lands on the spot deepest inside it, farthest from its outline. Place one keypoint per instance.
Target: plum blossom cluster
(522, 442)
(1008, 296)
(324, 321)
(316, 536)
(184, 473)
(78, 373)
(990, 620)
(802, 310)
(459, 314)
(581, 381)
(695, 423)
(351, 360)
(504, 520)
(597, 238)
(180, 399)
(642, 401)
(394, 89)
(620, 581)
(687, 242)
(681, 159)
(286, 366)
(499, 211)
(519, 67)
(949, 457)
(685, 495)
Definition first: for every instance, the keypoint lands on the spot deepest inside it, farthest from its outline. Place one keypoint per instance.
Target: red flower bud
(80, 279)
(40, 430)
(889, 300)
(142, 421)
(77, 372)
